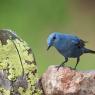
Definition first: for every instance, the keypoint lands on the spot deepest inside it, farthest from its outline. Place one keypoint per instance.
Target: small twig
(19, 57)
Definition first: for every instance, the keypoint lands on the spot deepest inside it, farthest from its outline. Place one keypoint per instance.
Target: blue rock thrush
(69, 46)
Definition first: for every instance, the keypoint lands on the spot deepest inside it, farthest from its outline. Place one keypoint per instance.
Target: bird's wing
(80, 43)
(75, 40)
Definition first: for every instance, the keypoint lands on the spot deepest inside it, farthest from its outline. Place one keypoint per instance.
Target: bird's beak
(48, 48)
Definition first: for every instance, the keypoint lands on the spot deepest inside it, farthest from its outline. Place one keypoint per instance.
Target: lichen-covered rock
(67, 81)
(18, 71)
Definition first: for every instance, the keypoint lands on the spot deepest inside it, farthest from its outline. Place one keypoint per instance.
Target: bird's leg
(78, 59)
(63, 63)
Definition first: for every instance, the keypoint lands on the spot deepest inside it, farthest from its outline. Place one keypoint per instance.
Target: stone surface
(66, 81)
(18, 70)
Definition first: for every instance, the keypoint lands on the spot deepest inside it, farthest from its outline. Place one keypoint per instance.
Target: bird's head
(53, 39)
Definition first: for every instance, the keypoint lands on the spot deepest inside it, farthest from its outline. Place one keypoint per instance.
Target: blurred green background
(34, 20)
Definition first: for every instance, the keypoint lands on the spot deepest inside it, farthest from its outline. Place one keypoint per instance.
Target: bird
(68, 45)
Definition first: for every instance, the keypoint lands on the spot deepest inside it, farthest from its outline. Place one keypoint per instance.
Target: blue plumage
(69, 46)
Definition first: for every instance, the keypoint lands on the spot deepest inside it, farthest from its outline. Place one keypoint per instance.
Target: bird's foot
(58, 67)
(72, 68)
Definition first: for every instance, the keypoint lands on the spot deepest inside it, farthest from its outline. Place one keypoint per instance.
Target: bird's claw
(58, 67)
(72, 68)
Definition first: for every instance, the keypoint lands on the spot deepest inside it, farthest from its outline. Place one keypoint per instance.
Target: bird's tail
(89, 51)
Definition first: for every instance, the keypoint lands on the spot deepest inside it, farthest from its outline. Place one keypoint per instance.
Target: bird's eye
(54, 38)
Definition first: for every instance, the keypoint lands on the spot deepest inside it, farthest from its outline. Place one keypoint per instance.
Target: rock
(67, 81)
(18, 69)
